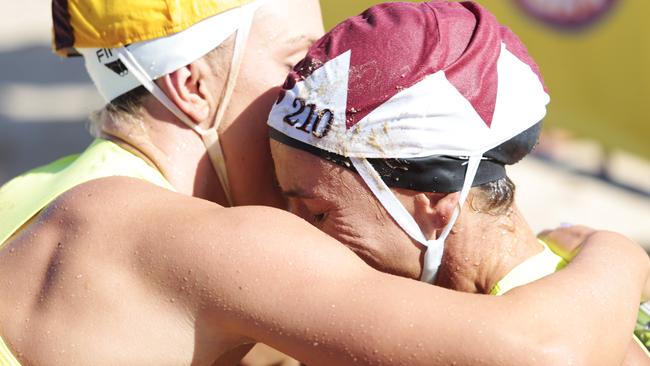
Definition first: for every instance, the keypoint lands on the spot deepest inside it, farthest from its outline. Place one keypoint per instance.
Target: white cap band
(119, 70)
(161, 56)
(435, 247)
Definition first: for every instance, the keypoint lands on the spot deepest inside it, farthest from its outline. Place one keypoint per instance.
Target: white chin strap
(210, 136)
(436, 247)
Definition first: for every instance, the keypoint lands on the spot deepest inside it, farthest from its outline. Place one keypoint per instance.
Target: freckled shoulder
(113, 193)
(114, 214)
(118, 202)
(131, 212)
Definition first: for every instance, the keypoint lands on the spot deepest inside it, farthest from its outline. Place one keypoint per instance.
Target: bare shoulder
(135, 203)
(121, 223)
(102, 264)
(162, 232)
(122, 195)
(121, 205)
(171, 227)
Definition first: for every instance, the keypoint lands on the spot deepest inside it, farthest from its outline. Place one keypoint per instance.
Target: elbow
(552, 353)
(566, 356)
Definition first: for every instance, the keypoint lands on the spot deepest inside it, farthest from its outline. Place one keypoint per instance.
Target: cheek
(376, 239)
(244, 136)
(358, 229)
(258, 90)
(262, 69)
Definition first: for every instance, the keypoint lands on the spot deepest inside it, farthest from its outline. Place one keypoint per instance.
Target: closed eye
(320, 218)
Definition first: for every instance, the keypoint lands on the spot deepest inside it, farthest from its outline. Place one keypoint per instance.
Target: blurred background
(592, 166)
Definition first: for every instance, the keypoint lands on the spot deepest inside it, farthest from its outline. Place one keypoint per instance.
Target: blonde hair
(127, 108)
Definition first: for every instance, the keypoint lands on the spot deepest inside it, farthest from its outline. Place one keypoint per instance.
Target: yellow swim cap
(117, 23)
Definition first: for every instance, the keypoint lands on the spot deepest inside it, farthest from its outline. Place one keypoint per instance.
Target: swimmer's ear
(187, 88)
(432, 211)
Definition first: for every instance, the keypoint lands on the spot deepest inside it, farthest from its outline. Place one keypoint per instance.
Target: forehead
(282, 20)
(298, 170)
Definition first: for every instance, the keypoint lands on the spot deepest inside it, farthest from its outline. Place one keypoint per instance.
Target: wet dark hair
(494, 191)
(494, 198)
(497, 197)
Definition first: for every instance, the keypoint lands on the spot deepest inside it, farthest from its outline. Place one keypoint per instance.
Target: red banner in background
(568, 13)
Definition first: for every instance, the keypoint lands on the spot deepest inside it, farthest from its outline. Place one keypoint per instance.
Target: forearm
(308, 296)
(361, 316)
(594, 301)
(636, 355)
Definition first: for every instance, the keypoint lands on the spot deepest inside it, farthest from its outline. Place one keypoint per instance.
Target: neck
(482, 249)
(177, 152)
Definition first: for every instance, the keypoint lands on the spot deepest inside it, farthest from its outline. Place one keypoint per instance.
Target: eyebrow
(296, 193)
(301, 39)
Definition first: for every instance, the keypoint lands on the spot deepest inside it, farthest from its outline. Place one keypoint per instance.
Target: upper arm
(308, 295)
(269, 276)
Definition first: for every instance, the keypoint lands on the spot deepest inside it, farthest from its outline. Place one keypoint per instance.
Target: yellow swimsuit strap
(530, 270)
(533, 269)
(6, 358)
(23, 197)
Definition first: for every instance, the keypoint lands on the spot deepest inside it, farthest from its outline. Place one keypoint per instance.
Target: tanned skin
(118, 271)
(483, 247)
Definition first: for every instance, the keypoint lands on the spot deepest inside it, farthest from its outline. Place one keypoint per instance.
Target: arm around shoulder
(589, 310)
(269, 276)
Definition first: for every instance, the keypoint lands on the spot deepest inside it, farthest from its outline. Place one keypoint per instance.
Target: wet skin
(481, 250)
(118, 271)
(162, 278)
